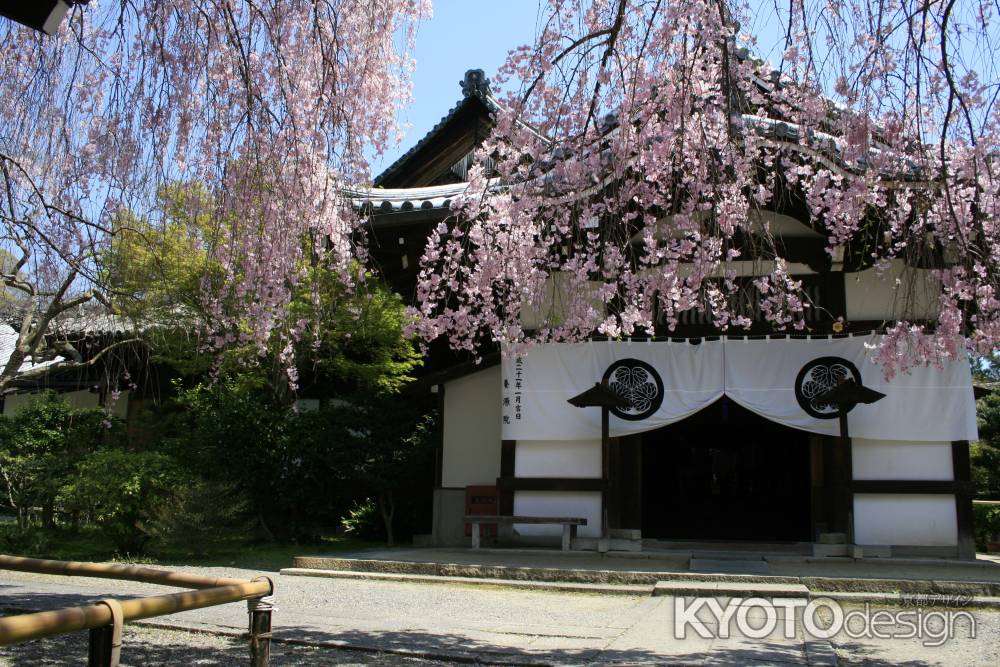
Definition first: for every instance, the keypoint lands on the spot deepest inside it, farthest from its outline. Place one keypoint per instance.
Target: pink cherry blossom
(657, 120)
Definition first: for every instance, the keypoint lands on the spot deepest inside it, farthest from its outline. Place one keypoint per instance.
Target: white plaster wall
(895, 293)
(782, 226)
(77, 399)
(558, 458)
(307, 404)
(12, 403)
(905, 519)
(585, 504)
(897, 459)
(554, 301)
(471, 453)
(119, 408)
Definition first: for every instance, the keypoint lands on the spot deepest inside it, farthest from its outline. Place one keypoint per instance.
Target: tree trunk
(263, 524)
(387, 508)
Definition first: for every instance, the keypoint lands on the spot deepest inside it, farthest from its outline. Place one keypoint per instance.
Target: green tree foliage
(118, 488)
(197, 513)
(303, 470)
(985, 454)
(157, 272)
(359, 342)
(156, 269)
(383, 441)
(300, 473)
(56, 458)
(231, 430)
(41, 447)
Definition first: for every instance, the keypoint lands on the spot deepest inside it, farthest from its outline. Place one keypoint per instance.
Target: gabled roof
(457, 134)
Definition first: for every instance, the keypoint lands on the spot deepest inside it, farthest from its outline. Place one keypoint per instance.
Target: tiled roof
(8, 340)
(475, 85)
(379, 200)
(93, 324)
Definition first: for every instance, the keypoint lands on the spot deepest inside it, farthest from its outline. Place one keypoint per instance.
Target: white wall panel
(472, 430)
(897, 459)
(905, 519)
(586, 504)
(558, 458)
(895, 293)
(77, 400)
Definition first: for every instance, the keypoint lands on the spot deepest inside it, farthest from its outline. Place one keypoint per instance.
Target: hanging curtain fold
(537, 384)
(779, 379)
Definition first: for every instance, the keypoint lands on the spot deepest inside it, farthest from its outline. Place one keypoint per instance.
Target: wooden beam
(952, 487)
(511, 484)
(964, 516)
(505, 492)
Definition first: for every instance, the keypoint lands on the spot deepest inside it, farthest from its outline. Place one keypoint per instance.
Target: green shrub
(118, 489)
(40, 447)
(196, 513)
(28, 541)
(987, 522)
(363, 521)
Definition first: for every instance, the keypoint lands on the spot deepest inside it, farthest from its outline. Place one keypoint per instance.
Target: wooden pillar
(439, 437)
(819, 521)
(838, 478)
(505, 492)
(963, 499)
(605, 463)
(845, 494)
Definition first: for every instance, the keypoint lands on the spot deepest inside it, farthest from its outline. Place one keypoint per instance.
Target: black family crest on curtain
(817, 378)
(639, 384)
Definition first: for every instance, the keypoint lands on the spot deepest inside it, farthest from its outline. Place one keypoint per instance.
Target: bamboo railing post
(105, 619)
(260, 638)
(260, 610)
(99, 653)
(106, 641)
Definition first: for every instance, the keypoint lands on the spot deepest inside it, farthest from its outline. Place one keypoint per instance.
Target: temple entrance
(726, 473)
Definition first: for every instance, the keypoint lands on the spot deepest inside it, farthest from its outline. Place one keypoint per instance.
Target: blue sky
(464, 34)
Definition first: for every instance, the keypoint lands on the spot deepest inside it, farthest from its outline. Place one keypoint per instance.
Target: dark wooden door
(726, 473)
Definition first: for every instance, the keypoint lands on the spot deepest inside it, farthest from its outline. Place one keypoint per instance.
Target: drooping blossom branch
(269, 105)
(641, 140)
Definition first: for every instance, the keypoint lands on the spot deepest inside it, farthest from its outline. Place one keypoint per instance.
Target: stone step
(832, 538)
(729, 566)
(602, 545)
(728, 555)
(828, 550)
(569, 573)
(625, 533)
(735, 548)
(530, 584)
(731, 588)
(875, 551)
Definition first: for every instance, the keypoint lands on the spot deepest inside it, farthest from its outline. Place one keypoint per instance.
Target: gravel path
(396, 620)
(144, 646)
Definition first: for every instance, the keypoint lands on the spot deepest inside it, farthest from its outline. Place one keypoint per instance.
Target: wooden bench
(569, 525)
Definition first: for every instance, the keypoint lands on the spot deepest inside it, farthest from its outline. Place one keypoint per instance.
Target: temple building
(722, 438)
